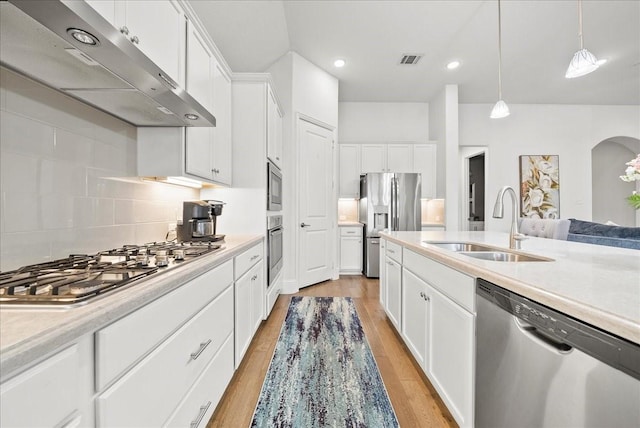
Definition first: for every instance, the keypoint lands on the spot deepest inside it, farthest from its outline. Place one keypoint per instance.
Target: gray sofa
(602, 234)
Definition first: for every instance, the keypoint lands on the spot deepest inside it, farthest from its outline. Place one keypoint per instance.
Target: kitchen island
(593, 283)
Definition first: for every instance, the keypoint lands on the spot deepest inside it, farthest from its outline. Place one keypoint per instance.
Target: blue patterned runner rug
(323, 373)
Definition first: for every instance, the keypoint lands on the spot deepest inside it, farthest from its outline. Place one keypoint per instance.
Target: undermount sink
(483, 252)
(504, 256)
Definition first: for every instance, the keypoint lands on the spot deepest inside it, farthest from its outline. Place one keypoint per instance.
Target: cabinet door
(393, 279)
(373, 158)
(274, 130)
(383, 273)
(257, 296)
(424, 162)
(199, 151)
(451, 354)
(222, 147)
(159, 28)
(414, 315)
(400, 158)
(242, 316)
(351, 253)
(349, 171)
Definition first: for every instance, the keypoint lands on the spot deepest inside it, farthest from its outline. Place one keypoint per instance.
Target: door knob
(304, 225)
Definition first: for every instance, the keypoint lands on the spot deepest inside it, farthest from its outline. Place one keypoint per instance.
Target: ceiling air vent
(410, 59)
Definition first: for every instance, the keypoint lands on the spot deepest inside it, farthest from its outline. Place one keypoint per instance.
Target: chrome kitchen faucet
(498, 212)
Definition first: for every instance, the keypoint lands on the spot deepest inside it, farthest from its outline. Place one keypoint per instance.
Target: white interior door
(316, 189)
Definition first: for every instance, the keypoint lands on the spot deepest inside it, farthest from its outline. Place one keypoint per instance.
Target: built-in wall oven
(274, 247)
(274, 187)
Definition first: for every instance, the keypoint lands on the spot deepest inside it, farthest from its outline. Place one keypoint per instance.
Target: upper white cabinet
(373, 158)
(198, 153)
(156, 27)
(387, 158)
(424, 162)
(349, 171)
(274, 130)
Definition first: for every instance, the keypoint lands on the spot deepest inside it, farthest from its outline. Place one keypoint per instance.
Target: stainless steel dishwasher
(537, 367)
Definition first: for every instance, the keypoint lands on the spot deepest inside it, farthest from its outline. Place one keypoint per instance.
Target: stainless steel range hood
(114, 76)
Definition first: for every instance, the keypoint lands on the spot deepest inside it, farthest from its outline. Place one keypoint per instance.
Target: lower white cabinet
(393, 280)
(383, 271)
(249, 297)
(55, 392)
(273, 291)
(148, 394)
(351, 250)
(436, 305)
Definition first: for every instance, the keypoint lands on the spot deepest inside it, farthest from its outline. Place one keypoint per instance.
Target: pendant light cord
(499, 52)
(579, 23)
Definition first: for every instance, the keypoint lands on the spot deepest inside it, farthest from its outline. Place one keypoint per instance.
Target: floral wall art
(539, 186)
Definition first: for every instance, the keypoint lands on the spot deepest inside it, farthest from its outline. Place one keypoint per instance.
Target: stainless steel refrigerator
(388, 201)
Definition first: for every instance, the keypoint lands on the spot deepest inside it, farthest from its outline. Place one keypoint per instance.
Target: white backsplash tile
(59, 157)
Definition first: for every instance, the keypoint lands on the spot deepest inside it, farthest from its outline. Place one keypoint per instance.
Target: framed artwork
(539, 186)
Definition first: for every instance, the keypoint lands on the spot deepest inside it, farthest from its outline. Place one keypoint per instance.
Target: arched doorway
(609, 192)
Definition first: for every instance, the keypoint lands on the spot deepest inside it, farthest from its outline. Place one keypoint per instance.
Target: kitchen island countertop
(596, 284)
(26, 335)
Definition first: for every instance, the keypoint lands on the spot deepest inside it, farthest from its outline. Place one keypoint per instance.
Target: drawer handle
(390, 263)
(254, 257)
(391, 251)
(254, 277)
(203, 411)
(352, 232)
(203, 346)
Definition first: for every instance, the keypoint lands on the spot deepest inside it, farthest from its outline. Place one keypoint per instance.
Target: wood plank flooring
(414, 399)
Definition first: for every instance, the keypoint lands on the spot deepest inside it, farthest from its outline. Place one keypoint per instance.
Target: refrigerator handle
(394, 205)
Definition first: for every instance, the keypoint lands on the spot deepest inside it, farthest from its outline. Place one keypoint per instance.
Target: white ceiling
(538, 40)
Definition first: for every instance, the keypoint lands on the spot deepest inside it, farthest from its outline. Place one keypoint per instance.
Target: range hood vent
(112, 75)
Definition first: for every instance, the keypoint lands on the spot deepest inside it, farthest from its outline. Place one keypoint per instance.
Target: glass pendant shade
(583, 62)
(500, 110)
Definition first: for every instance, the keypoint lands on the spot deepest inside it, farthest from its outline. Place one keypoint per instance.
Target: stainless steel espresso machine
(199, 221)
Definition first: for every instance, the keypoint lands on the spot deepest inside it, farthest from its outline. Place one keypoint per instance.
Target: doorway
(472, 213)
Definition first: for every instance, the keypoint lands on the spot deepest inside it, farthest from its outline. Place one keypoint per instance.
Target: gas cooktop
(79, 278)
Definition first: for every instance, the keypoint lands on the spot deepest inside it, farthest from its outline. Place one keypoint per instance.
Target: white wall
(305, 89)
(372, 122)
(55, 155)
(569, 131)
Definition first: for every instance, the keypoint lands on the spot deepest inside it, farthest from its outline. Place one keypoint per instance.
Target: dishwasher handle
(545, 339)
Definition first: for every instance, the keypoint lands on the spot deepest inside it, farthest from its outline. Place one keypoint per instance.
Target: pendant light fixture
(501, 109)
(583, 61)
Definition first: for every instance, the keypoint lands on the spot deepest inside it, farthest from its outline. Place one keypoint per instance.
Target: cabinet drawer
(247, 259)
(44, 395)
(394, 251)
(351, 231)
(455, 285)
(201, 401)
(273, 292)
(148, 394)
(124, 342)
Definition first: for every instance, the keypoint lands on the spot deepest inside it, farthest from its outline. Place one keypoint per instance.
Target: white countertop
(27, 335)
(597, 284)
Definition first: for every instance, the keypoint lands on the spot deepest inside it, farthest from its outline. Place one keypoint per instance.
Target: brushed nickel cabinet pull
(203, 346)
(203, 411)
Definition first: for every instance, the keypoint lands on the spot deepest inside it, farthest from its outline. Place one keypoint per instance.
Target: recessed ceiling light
(453, 65)
(339, 63)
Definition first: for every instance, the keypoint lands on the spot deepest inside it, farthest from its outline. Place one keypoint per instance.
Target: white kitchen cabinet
(438, 326)
(156, 27)
(414, 315)
(383, 273)
(386, 158)
(349, 159)
(373, 158)
(351, 250)
(393, 280)
(249, 298)
(274, 130)
(425, 163)
(183, 331)
(55, 392)
(399, 157)
(198, 153)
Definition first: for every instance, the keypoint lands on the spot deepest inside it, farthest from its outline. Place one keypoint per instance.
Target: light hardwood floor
(414, 400)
